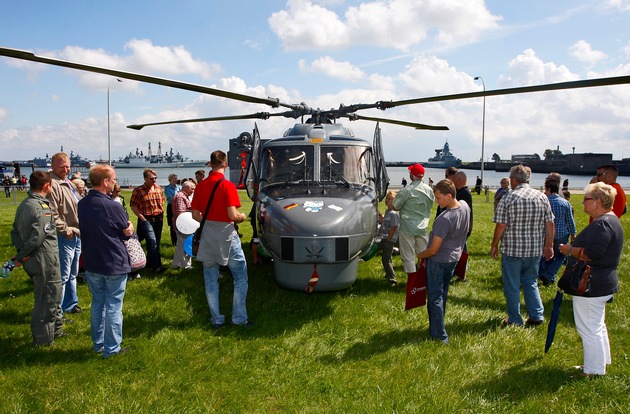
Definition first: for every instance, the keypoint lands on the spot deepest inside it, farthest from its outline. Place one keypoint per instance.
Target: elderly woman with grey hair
(601, 245)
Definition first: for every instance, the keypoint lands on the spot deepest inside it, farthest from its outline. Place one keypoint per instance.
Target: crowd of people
(535, 234)
(61, 224)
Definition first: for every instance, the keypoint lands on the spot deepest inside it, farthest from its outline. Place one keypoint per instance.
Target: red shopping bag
(417, 288)
(460, 268)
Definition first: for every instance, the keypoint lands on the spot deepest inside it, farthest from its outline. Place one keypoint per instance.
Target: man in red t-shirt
(220, 244)
(607, 174)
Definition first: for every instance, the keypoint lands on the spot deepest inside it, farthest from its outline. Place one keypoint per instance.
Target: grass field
(352, 351)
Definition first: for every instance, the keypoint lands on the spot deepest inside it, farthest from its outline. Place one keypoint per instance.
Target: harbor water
(133, 177)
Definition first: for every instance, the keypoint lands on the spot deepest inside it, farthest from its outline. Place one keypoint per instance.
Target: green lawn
(353, 351)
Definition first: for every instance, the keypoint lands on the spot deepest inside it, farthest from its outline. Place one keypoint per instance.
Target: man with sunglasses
(147, 202)
(607, 174)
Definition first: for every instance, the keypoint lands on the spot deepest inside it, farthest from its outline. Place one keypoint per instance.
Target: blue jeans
(517, 272)
(69, 253)
(151, 232)
(549, 269)
(238, 267)
(106, 316)
(438, 278)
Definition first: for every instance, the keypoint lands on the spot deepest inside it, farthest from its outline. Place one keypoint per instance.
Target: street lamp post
(483, 124)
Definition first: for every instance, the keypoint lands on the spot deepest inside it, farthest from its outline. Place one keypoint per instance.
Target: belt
(153, 219)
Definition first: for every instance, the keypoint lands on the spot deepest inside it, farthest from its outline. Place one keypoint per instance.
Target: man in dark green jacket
(35, 238)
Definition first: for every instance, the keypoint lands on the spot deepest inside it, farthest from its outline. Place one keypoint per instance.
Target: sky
(323, 53)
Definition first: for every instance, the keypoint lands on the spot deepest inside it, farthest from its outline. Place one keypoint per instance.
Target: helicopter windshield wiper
(297, 161)
(332, 171)
(295, 176)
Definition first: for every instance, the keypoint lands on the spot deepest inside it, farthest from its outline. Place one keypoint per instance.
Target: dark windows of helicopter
(287, 163)
(351, 164)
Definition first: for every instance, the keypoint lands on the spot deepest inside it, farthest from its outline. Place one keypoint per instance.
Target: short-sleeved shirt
(390, 219)
(525, 211)
(181, 203)
(150, 201)
(452, 227)
(603, 244)
(170, 191)
(225, 196)
(619, 206)
(102, 222)
(414, 202)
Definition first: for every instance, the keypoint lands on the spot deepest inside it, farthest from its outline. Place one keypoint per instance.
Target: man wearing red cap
(414, 202)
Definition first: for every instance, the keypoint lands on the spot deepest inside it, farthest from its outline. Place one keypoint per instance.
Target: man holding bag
(104, 225)
(216, 201)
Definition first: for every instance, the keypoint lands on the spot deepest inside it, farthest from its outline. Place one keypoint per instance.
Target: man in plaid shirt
(182, 203)
(147, 202)
(564, 226)
(525, 227)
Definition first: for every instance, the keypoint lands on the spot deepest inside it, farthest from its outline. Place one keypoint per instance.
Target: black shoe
(76, 309)
(247, 324)
(159, 270)
(218, 325)
(534, 322)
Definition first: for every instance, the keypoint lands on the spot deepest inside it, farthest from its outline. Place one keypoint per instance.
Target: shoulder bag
(137, 258)
(576, 280)
(197, 236)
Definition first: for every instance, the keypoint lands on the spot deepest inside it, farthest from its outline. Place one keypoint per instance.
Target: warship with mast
(157, 160)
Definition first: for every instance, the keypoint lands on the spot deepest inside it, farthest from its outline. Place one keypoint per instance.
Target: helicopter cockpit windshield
(348, 164)
(284, 164)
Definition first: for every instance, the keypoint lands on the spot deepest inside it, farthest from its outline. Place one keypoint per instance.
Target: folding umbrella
(553, 320)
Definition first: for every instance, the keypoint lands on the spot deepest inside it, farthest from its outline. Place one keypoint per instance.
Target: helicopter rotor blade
(30, 56)
(355, 117)
(588, 83)
(257, 115)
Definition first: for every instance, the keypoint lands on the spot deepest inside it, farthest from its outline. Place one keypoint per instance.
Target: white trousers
(590, 321)
(410, 246)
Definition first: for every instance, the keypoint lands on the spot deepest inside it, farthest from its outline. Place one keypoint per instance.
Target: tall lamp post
(483, 124)
(109, 140)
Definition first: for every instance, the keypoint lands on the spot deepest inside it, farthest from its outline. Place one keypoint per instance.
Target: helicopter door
(381, 178)
(252, 174)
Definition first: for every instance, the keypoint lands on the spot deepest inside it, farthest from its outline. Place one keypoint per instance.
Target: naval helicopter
(315, 189)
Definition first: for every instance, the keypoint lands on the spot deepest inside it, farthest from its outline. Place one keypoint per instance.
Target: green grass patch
(355, 350)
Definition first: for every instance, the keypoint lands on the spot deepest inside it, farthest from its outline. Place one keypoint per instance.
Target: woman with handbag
(600, 244)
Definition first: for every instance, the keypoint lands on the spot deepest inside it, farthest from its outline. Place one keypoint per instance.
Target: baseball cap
(416, 170)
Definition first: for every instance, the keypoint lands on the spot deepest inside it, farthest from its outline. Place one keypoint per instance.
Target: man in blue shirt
(104, 226)
(564, 226)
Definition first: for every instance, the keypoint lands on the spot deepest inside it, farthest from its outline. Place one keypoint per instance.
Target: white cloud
(144, 58)
(252, 44)
(529, 69)
(623, 5)
(167, 59)
(330, 67)
(583, 52)
(428, 75)
(393, 23)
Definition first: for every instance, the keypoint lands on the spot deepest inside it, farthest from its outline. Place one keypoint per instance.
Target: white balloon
(186, 224)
